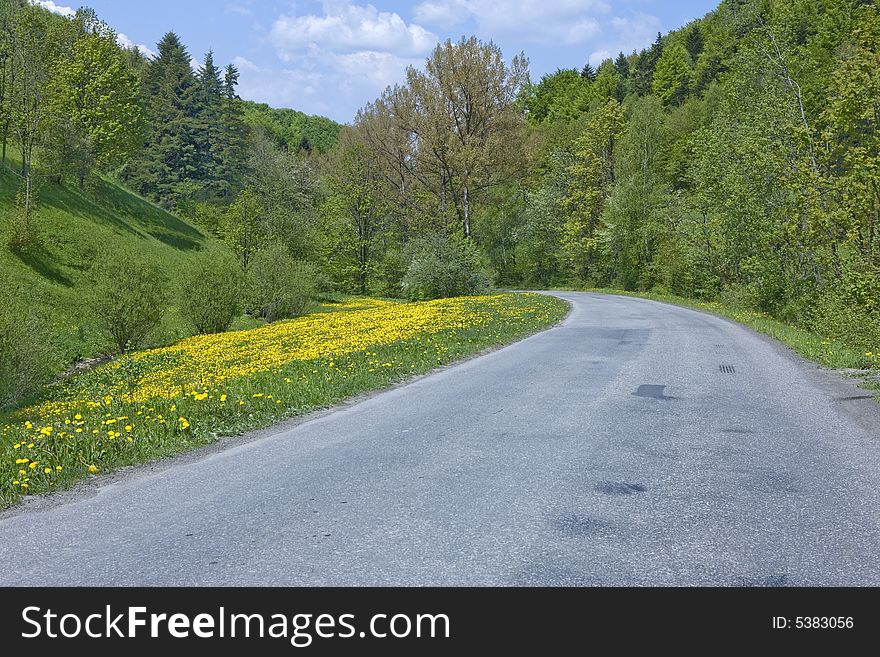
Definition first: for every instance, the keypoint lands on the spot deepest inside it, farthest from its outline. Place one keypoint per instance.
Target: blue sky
(332, 57)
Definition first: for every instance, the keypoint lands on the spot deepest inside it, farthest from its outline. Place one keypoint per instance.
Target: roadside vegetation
(734, 162)
(150, 404)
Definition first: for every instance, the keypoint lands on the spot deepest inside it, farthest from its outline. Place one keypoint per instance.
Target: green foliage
(560, 96)
(285, 187)
(244, 227)
(280, 287)
(355, 214)
(293, 130)
(25, 362)
(672, 74)
(209, 291)
(128, 298)
(442, 267)
(95, 102)
(637, 213)
(592, 174)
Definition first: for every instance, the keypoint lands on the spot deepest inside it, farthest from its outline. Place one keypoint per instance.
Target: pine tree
(646, 62)
(588, 72)
(234, 135)
(209, 108)
(230, 82)
(169, 167)
(622, 65)
(694, 42)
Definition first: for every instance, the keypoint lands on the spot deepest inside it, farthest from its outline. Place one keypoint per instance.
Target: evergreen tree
(622, 65)
(588, 72)
(209, 106)
(232, 147)
(170, 165)
(694, 42)
(230, 82)
(645, 64)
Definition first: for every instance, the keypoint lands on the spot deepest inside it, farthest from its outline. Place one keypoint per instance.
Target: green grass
(72, 229)
(94, 423)
(827, 352)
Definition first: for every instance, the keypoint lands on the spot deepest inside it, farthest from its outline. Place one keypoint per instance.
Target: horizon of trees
(737, 158)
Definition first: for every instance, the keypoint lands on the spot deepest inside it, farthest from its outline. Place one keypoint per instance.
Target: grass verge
(160, 402)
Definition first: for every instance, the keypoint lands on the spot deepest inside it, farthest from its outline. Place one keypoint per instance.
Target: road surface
(636, 444)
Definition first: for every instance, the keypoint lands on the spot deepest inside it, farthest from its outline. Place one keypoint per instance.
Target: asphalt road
(636, 444)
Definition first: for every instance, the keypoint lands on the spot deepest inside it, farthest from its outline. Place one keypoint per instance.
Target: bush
(840, 317)
(24, 354)
(442, 267)
(209, 291)
(279, 286)
(128, 298)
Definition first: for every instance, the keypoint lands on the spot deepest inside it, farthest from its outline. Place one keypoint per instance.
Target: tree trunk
(467, 211)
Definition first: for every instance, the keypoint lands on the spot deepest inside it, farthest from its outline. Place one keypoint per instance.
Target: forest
(736, 159)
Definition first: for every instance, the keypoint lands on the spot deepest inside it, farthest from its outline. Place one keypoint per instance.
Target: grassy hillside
(73, 230)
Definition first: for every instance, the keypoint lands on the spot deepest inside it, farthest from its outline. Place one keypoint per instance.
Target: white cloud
(336, 59)
(125, 42)
(442, 13)
(244, 64)
(627, 33)
(319, 81)
(55, 9)
(238, 9)
(549, 21)
(347, 27)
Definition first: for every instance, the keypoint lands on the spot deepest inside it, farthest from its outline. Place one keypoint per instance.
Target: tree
(560, 96)
(672, 74)
(286, 187)
(170, 166)
(607, 84)
(95, 102)
(588, 72)
(231, 151)
(244, 227)
(31, 54)
(852, 116)
(621, 64)
(642, 71)
(31, 48)
(7, 70)
(128, 298)
(466, 121)
(694, 41)
(592, 175)
(356, 185)
(635, 224)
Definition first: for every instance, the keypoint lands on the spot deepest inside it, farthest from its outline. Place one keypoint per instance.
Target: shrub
(209, 291)
(442, 267)
(279, 286)
(24, 353)
(128, 298)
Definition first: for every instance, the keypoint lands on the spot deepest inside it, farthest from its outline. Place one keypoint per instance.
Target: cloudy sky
(331, 57)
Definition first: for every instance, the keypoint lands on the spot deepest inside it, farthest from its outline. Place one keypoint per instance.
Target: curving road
(636, 444)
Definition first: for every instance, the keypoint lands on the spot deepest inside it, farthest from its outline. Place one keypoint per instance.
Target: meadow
(154, 403)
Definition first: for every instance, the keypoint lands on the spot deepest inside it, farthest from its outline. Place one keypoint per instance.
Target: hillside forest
(736, 159)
